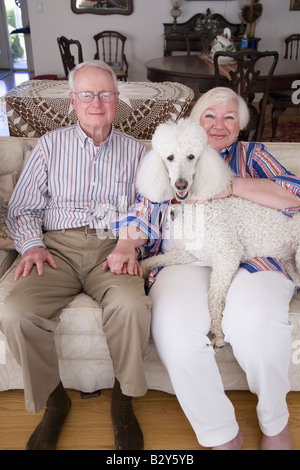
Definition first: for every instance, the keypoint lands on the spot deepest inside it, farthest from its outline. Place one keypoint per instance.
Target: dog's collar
(175, 201)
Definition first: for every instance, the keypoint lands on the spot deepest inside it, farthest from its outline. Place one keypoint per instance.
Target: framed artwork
(295, 5)
(102, 7)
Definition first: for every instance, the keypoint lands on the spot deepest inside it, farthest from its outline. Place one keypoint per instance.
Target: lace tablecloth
(39, 106)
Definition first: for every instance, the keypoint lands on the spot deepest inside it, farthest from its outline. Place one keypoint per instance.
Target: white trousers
(255, 323)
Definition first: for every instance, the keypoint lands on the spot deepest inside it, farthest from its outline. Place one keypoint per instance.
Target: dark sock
(46, 434)
(128, 434)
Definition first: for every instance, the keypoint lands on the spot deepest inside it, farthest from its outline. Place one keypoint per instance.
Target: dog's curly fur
(228, 231)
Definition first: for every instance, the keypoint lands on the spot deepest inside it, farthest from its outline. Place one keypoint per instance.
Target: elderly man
(76, 179)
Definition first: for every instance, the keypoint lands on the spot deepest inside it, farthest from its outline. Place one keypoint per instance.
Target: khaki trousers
(32, 310)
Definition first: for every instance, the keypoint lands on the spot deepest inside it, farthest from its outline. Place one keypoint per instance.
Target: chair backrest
(110, 47)
(242, 78)
(65, 46)
(292, 47)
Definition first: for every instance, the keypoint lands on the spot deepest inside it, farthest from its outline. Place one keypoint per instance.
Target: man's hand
(123, 260)
(35, 256)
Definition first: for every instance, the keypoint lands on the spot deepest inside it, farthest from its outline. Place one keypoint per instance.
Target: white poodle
(221, 233)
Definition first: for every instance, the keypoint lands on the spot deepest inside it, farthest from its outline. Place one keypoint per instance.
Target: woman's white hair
(91, 63)
(221, 95)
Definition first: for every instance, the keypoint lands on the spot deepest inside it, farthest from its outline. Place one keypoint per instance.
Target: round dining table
(198, 74)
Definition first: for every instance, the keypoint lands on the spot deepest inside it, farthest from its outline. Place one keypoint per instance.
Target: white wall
(143, 28)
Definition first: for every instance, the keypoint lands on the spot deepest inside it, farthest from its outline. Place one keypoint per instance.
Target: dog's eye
(170, 158)
(191, 157)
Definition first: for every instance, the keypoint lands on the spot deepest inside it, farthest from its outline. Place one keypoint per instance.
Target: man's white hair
(91, 63)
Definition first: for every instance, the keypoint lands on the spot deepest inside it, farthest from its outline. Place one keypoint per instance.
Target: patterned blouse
(246, 160)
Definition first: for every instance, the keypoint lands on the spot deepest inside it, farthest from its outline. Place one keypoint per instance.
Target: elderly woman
(255, 320)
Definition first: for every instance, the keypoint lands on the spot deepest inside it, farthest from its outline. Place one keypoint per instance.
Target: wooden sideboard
(195, 33)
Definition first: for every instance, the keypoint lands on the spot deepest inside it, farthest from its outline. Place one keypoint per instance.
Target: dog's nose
(181, 184)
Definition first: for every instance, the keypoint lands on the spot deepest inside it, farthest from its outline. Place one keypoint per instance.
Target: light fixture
(175, 13)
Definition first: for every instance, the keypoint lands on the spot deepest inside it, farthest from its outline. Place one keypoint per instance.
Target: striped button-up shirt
(246, 160)
(67, 182)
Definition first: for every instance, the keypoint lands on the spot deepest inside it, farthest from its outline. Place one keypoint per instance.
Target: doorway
(15, 42)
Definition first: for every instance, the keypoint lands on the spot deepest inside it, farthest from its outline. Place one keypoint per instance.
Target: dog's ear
(212, 175)
(152, 179)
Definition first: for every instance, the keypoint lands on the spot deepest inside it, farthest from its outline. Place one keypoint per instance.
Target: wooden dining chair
(65, 46)
(242, 71)
(110, 47)
(283, 100)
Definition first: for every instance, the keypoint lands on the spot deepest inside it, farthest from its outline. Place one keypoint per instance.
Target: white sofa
(85, 363)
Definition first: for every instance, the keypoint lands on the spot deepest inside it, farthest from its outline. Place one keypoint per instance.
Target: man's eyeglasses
(88, 96)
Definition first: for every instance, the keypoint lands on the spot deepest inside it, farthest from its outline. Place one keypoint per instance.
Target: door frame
(4, 39)
(5, 52)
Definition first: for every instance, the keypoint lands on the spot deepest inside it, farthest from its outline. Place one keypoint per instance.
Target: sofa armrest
(7, 257)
